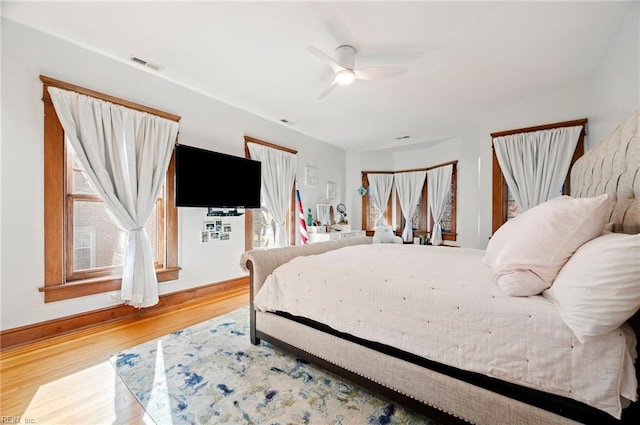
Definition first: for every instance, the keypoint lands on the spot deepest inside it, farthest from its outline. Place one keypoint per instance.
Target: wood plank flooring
(68, 379)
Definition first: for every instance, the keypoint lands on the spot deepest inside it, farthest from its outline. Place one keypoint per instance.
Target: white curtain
(125, 154)
(380, 189)
(278, 175)
(438, 184)
(408, 186)
(535, 164)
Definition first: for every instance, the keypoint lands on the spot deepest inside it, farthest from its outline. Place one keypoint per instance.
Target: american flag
(304, 236)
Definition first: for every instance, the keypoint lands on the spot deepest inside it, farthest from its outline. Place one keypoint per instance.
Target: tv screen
(212, 179)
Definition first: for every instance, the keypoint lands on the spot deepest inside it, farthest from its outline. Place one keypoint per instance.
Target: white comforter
(442, 304)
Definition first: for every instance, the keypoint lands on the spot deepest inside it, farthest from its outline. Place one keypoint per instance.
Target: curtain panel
(125, 154)
(438, 184)
(536, 164)
(278, 175)
(408, 186)
(380, 189)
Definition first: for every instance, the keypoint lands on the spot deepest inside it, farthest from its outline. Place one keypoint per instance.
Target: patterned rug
(211, 374)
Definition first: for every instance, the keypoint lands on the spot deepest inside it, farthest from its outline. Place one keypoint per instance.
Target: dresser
(332, 236)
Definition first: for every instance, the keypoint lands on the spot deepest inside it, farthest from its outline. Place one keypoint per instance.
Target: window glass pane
(111, 239)
(263, 229)
(415, 220)
(373, 213)
(98, 241)
(512, 207)
(84, 247)
(79, 184)
(448, 208)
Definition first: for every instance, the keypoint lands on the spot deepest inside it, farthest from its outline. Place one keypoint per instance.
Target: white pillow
(599, 287)
(527, 252)
(385, 234)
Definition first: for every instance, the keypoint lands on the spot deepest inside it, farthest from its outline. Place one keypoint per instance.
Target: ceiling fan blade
(326, 92)
(378, 73)
(325, 58)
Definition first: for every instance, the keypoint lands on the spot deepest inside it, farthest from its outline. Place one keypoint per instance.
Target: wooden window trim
(56, 287)
(449, 236)
(248, 216)
(499, 184)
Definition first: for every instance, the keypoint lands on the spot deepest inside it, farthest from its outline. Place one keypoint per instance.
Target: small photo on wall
(224, 236)
(214, 235)
(218, 227)
(204, 236)
(209, 225)
(226, 227)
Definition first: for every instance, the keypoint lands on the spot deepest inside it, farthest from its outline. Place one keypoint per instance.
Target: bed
(444, 338)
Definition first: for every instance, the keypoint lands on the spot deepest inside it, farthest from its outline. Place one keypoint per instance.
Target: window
(503, 205)
(88, 219)
(259, 223)
(371, 210)
(393, 214)
(84, 247)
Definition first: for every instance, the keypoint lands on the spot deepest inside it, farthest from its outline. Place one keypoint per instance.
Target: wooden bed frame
(444, 393)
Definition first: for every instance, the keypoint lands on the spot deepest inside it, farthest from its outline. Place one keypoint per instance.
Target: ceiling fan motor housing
(345, 56)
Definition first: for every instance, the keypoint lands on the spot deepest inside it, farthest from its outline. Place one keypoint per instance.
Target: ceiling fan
(344, 71)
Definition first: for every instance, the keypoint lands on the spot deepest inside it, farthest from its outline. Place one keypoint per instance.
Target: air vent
(145, 63)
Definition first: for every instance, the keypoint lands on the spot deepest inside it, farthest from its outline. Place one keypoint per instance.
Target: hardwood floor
(68, 379)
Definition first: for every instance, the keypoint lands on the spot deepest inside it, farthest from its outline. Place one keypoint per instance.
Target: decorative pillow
(527, 252)
(599, 287)
(385, 234)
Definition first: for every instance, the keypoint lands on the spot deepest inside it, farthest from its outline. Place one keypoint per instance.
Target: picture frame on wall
(310, 176)
(331, 191)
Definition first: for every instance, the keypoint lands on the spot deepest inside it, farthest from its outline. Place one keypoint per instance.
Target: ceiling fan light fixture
(345, 77)
(345, 71)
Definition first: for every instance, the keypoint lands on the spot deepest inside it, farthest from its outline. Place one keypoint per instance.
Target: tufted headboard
(613, 167)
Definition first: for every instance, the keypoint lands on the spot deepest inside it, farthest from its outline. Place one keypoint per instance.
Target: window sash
(73, 274)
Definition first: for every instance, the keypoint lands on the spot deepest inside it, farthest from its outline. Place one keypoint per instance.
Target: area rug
(211, 374)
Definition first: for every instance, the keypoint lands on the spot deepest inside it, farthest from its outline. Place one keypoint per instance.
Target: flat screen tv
(212, 179)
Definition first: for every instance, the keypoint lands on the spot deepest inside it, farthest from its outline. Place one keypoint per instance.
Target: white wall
(205, 123)
(614, 90)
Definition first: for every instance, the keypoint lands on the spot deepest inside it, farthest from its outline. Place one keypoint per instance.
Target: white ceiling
(461, 57)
